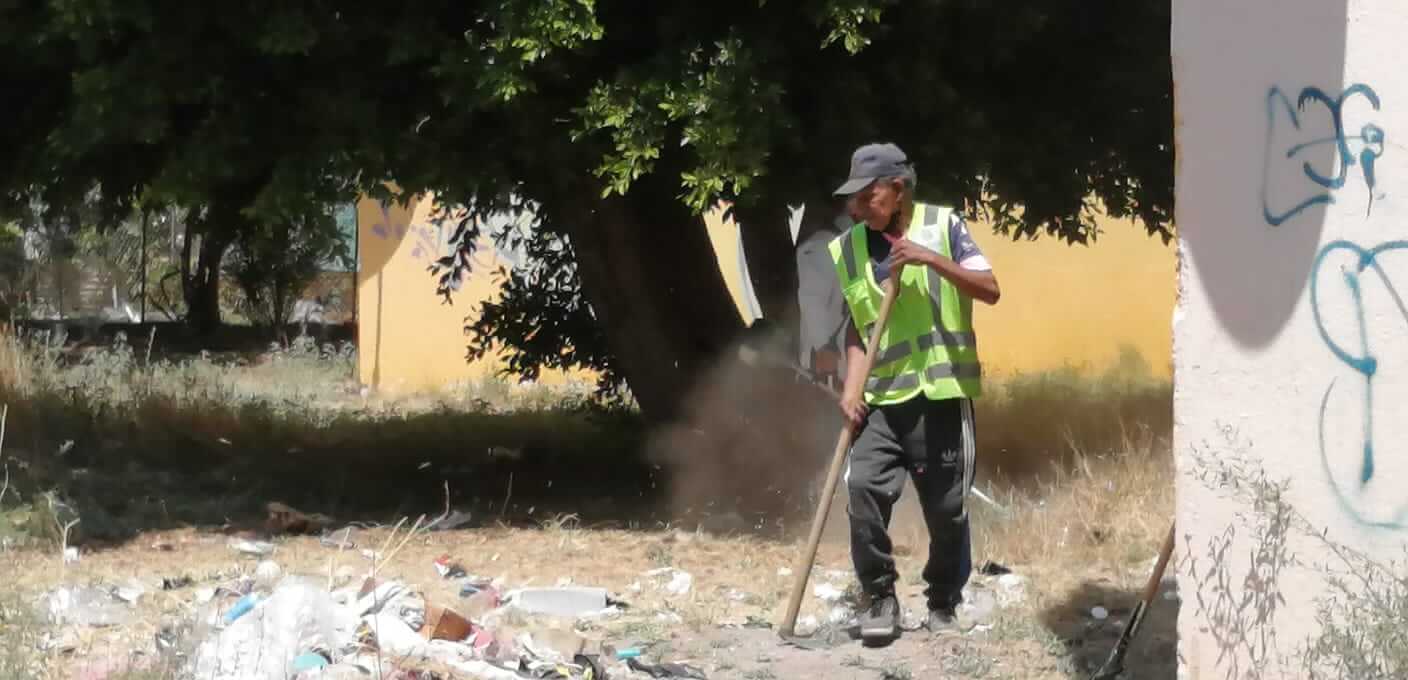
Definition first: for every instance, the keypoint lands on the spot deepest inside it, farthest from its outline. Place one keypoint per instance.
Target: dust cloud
(750, 448)
(749, 453)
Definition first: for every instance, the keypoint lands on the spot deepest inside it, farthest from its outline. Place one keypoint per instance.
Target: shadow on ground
(160, 466)
(1152, 655)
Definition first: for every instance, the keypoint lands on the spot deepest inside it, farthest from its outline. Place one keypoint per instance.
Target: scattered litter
(666, 670)
(255, 548)
(340, 539)
(593, 668)
(452, 521)
(1012, 588)
(162, 546)
(166, 638)
(810, 636)
(979, 607)
(177, 583)
(680, 581)
(445, 624)
(806, 626)
(828, 593)
(393, 636)
(371, 599)
(841, 614)
(89, 606)
(993, 569)
(130, 592)
(560, 601)
(70, 555)
(1100, 613)
(242, 607)
(784, 572)
(628, 653)
(669, 617)
(267, 573)
(308, 661)
(473, 586)
(298, 616)
(205, 595)
(447, 569)
(986, 499)
(911, 621)
(737, 596)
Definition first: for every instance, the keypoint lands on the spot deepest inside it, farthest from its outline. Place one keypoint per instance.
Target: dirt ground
(1043, 629)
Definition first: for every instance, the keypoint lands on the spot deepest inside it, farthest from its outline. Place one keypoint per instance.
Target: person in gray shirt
(822, 311)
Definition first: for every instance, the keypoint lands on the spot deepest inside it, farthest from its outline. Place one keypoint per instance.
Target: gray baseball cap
(872, 162)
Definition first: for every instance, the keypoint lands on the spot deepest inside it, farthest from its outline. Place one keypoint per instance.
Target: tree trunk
(204, 301)
(201, 288)
(649, 272)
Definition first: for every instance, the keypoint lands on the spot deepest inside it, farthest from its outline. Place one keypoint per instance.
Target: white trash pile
(302, 630)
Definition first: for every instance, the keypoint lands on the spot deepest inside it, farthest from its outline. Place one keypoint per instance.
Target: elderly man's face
(879, 203)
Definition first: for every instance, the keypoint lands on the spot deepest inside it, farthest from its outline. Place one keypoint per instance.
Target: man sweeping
(914, 410)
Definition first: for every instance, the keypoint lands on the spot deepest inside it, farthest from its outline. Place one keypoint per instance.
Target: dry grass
(1081, 463)
(1109, 509)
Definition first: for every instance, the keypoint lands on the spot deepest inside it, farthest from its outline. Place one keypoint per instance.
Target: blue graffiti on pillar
(1369, 144)
(1366, 365)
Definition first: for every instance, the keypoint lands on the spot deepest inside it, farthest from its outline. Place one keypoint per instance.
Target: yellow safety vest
(928, 346)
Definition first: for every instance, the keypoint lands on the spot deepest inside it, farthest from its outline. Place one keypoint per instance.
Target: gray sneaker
(942, 620)
(882, 619)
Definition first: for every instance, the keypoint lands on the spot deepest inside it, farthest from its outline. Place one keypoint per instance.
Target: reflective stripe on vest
(950, 339)
(909, 381)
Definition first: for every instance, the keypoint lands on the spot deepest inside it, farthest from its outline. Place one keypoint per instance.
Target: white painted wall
(1272, 342)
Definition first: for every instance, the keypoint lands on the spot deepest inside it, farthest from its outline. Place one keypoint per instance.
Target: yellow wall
(1078, 305)
(408, 339)
(1061, 305)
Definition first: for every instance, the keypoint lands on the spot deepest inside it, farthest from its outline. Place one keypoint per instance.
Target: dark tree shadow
(1152, 655)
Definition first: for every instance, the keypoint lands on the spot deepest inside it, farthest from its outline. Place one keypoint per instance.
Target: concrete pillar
(1291, 331)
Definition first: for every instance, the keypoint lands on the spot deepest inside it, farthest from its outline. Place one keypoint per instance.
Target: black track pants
(933, 441)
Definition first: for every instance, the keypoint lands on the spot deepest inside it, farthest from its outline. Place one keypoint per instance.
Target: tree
(1032, 112)
(620, 126)
(274, 263)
